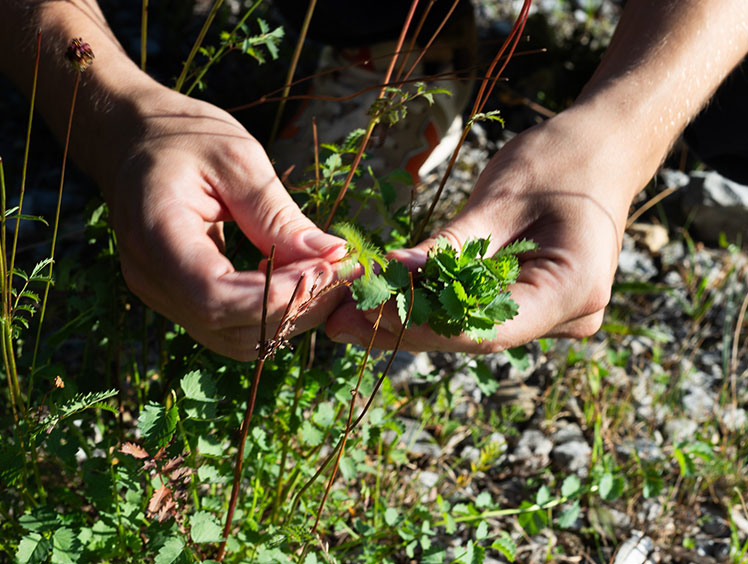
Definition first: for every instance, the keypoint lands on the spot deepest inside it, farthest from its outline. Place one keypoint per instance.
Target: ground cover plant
(124, 441)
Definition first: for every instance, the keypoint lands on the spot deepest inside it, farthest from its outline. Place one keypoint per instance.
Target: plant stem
(215, 58)
(373, 121)
(487, 84)
(143, 34)
(292, 69)
(54, 230)
(197, 44)
(25, 160)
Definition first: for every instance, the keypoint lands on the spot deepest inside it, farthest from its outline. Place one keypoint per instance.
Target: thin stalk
(143, 34)
(386, 370)
(25, 158)
(354, 395)
(197, 44)
(373, 120)
(292, 69)
(54, 230)
(734, 352)
(299, 388)
(487, 85)
(264, 352)
(215, 58)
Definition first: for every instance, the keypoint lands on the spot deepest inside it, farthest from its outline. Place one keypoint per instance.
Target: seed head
(80, 54)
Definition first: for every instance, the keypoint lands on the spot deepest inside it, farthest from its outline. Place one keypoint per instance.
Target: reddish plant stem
(372, 121)
(352, 425)
(244, 430)
(354, 395)
(487, 85)
(413, 39)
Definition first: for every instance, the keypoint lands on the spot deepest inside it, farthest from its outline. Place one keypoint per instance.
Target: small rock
(653, 237)
(533, 447)
(734, 419)
(717, 205)
(699, 405)
(428, 479)
(567, 432)
(573, 456)
(680, 429)
(634, 263)
(635, 550)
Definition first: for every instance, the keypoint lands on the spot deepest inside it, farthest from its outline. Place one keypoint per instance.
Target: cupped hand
(567, 184)
(187, 168)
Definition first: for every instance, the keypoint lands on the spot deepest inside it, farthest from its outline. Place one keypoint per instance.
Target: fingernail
(324, 244)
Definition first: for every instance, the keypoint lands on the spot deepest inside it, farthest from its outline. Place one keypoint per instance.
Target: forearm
(663, 64)
(109, 90)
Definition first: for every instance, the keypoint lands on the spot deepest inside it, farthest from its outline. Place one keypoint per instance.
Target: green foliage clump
(454, 292)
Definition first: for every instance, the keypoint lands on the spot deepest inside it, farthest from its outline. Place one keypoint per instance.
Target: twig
(649, 204)
(373, 120)
(248, 412)
(292, 69)
(143, 34)
(197, 44)
(484, 92)
(735, 348)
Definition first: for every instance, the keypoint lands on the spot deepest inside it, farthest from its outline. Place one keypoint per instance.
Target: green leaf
(75, 405)
(506, 546)
(483, 500)
(310, 434)
(518, 357)
(451, 302)
(543, 496)
(505, 268)
(66, 547)
(40, 519)
(396, 275)
(204, 527)
(611, 486)
(487, 383)
(324, 416)
(482, 531)
(209, 445)
(569, 516)
(170, 551)
(33, 549)
(391, 516)
(198, 386)
(370, 292)
(516, 248)
(571, 486)
(532, 521)
(421, 307)
(157, 424)
(501, 308)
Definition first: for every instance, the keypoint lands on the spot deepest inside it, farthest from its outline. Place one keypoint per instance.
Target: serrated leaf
(310, 434)
(324, 415)
(204, 527)
(451, 302)
(501, 308)
(78, 403)
(421, 307)
(516, 248)
(570, 515)
(66, 547)
(370, 292)
(170, 551)
(134, 450)
(33, 549)
(506, 546)
(505, 268)
(483, 500)
(480, 329)
(40, 519)
(473, 249)
(397, 275)
(198, 386)
(157, 424)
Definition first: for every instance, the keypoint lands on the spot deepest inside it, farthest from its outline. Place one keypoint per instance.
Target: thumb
(269, 216)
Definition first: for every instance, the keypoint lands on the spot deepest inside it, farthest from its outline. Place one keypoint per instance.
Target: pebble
(573, 457)
(533, 448)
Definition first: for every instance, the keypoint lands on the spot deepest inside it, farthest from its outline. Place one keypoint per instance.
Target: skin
(174, 169)
(568, 182)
